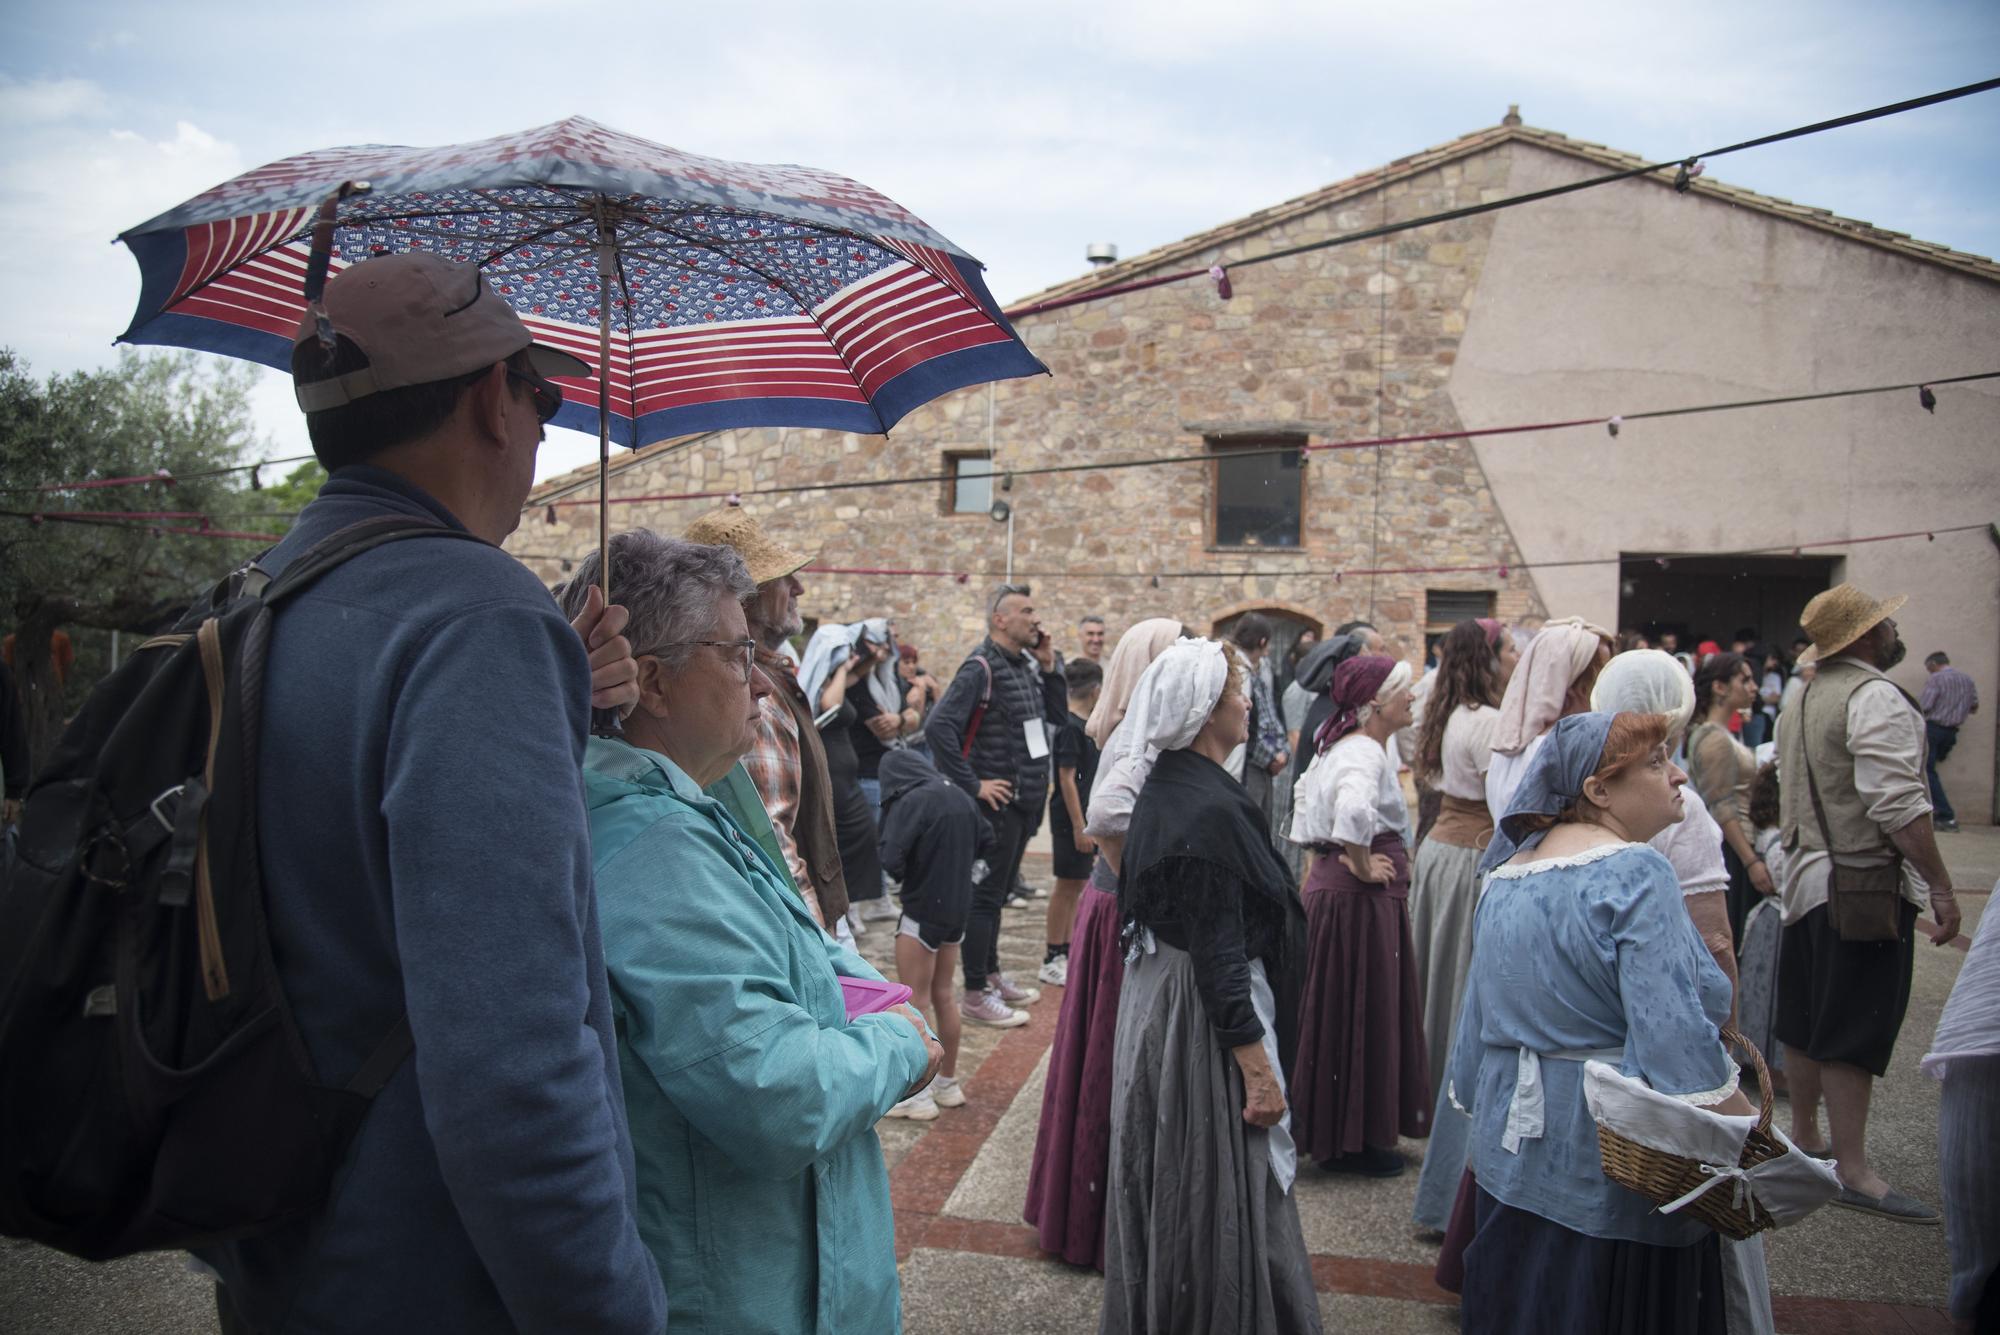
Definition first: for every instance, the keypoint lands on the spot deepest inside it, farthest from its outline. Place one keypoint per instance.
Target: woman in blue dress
(1584, 951)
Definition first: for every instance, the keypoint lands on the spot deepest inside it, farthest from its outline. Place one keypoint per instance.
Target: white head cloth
(1172, 701)
(1646, 681)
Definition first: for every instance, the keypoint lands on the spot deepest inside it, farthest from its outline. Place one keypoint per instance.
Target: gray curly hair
(672, 589)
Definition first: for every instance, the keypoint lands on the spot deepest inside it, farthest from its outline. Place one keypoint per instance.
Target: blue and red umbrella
(708, 294)
(729, 294)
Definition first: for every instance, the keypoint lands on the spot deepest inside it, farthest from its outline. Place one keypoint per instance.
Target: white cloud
(38, 101)
(69, 189)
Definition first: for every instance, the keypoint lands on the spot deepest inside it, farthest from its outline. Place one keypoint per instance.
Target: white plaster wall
(1629, 297)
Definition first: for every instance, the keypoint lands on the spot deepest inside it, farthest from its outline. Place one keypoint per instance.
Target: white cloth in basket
(1787, 1188)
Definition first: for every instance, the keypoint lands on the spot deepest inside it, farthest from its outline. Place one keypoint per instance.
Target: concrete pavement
(970, 1266)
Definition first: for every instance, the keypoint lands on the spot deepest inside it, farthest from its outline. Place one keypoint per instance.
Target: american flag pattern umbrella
(739, 294)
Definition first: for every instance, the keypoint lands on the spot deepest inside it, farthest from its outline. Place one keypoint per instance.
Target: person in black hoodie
(932, 833)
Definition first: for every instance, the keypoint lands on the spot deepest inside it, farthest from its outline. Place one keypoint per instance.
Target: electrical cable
(1688, 167)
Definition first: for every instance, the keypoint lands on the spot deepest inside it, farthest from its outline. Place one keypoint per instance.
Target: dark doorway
(1711, 597)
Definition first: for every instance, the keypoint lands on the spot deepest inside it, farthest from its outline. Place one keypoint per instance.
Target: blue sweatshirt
(425, 847)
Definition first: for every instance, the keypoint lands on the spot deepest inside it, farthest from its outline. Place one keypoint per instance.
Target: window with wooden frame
(1257, 491)
(968, 488)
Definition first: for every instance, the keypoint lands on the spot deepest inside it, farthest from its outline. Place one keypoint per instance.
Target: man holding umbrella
(426, 853)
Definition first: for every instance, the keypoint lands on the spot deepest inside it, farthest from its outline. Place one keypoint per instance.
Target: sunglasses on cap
(548, 398)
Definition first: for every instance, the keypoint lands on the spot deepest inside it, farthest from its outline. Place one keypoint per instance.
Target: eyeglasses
(548, 399)
(749, 648)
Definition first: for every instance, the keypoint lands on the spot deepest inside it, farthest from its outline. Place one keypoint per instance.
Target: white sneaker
(1011, 992)
(1056, 972)
(986, 1008)
(919, 1107)
(854, 923)
(879, 910)
(946, 1092)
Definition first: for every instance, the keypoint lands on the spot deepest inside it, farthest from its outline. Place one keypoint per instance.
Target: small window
(970, 489)
(1259, 489)
(1445, 608)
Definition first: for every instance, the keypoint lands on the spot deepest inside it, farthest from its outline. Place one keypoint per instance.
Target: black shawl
(1191, 808)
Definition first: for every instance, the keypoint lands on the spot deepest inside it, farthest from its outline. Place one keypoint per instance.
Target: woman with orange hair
(1584, 952)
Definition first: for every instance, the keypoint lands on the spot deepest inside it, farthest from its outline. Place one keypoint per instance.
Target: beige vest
(1817, 729)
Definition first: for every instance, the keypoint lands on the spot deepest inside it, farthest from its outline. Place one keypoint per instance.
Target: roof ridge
(1854, 229)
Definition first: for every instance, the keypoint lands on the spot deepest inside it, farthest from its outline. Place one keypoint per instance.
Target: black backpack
(154, 1091)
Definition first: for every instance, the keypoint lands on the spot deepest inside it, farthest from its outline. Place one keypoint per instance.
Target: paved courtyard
(971, 1267)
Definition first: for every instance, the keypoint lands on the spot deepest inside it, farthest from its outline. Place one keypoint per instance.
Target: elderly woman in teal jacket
(752, 1097)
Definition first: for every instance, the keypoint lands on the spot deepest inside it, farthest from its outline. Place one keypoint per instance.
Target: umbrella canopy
(739, 294)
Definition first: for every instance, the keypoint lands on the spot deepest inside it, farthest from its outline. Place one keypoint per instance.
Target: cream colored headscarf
(1557, 656)
(1137, 648)
(1646, 681)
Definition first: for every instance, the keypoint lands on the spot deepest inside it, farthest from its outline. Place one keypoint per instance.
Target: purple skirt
(1361, 1078)
(1073, 1141)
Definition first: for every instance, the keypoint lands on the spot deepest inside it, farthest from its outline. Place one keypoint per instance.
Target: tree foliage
(174, 411)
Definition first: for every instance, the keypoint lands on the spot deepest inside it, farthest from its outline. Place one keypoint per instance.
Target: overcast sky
(1021, 131)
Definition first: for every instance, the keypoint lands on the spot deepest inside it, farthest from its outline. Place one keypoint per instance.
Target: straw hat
(732, 526)
(1840, 616)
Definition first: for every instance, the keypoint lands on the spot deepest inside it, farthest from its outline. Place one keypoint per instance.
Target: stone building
(1620, 299)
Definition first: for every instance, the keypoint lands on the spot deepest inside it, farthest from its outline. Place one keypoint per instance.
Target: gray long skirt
(1200, 1238)
(1444, 890)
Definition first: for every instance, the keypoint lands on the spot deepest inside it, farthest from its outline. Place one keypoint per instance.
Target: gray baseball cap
(418, 319)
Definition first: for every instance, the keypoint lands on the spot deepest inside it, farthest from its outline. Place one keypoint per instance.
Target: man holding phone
(989, 735)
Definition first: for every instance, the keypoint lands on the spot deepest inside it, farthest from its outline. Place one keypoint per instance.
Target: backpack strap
(397, 1044)
(338, 546)
(978, 710)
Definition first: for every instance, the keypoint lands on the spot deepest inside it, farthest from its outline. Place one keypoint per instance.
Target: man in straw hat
(1852, 758)
(787, 762)
(424, 721)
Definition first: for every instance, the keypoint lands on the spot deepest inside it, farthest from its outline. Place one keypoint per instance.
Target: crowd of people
(647, 1068)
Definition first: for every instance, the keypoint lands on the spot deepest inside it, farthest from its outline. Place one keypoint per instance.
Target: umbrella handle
(321, 257)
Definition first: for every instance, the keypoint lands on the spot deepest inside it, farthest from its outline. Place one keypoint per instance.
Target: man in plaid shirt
(787, 763)
(1949, 699)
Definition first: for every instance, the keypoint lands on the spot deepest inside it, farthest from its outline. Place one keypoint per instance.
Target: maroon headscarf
(1355, 684)
(1494, 629)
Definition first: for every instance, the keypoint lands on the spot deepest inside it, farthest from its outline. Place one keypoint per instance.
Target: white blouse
(1350, 794)
(1468, 750)
(1108, 805)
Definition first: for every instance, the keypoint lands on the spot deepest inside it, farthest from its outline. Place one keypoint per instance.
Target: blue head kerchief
(1553, 779)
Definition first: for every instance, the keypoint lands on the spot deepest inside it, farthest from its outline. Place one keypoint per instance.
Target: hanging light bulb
(1926, 400)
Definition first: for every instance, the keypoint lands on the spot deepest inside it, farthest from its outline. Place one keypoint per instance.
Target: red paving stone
(930, 1171)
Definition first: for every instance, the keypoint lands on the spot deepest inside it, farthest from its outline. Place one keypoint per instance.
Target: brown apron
(1463, 824)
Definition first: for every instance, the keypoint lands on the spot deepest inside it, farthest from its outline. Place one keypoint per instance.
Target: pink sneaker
(1012, 992)
(988, 1009)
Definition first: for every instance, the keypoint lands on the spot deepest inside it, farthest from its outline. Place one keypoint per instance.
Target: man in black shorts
(1852, 757)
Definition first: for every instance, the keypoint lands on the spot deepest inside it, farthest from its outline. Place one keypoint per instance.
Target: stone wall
(1307, 345)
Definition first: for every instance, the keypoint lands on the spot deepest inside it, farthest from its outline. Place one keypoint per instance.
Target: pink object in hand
(865, 996)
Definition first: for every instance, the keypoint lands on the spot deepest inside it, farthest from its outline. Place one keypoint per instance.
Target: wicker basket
(1661, 1177)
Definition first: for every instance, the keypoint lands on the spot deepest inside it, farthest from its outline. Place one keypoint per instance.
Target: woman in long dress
(1362, 1078)
(1585, 953)
(1202, 1235)
(1073, 1139)
(1722, 769)
(1451, 755)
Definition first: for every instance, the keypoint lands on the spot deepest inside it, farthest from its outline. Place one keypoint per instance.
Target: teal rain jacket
(752, 1099)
